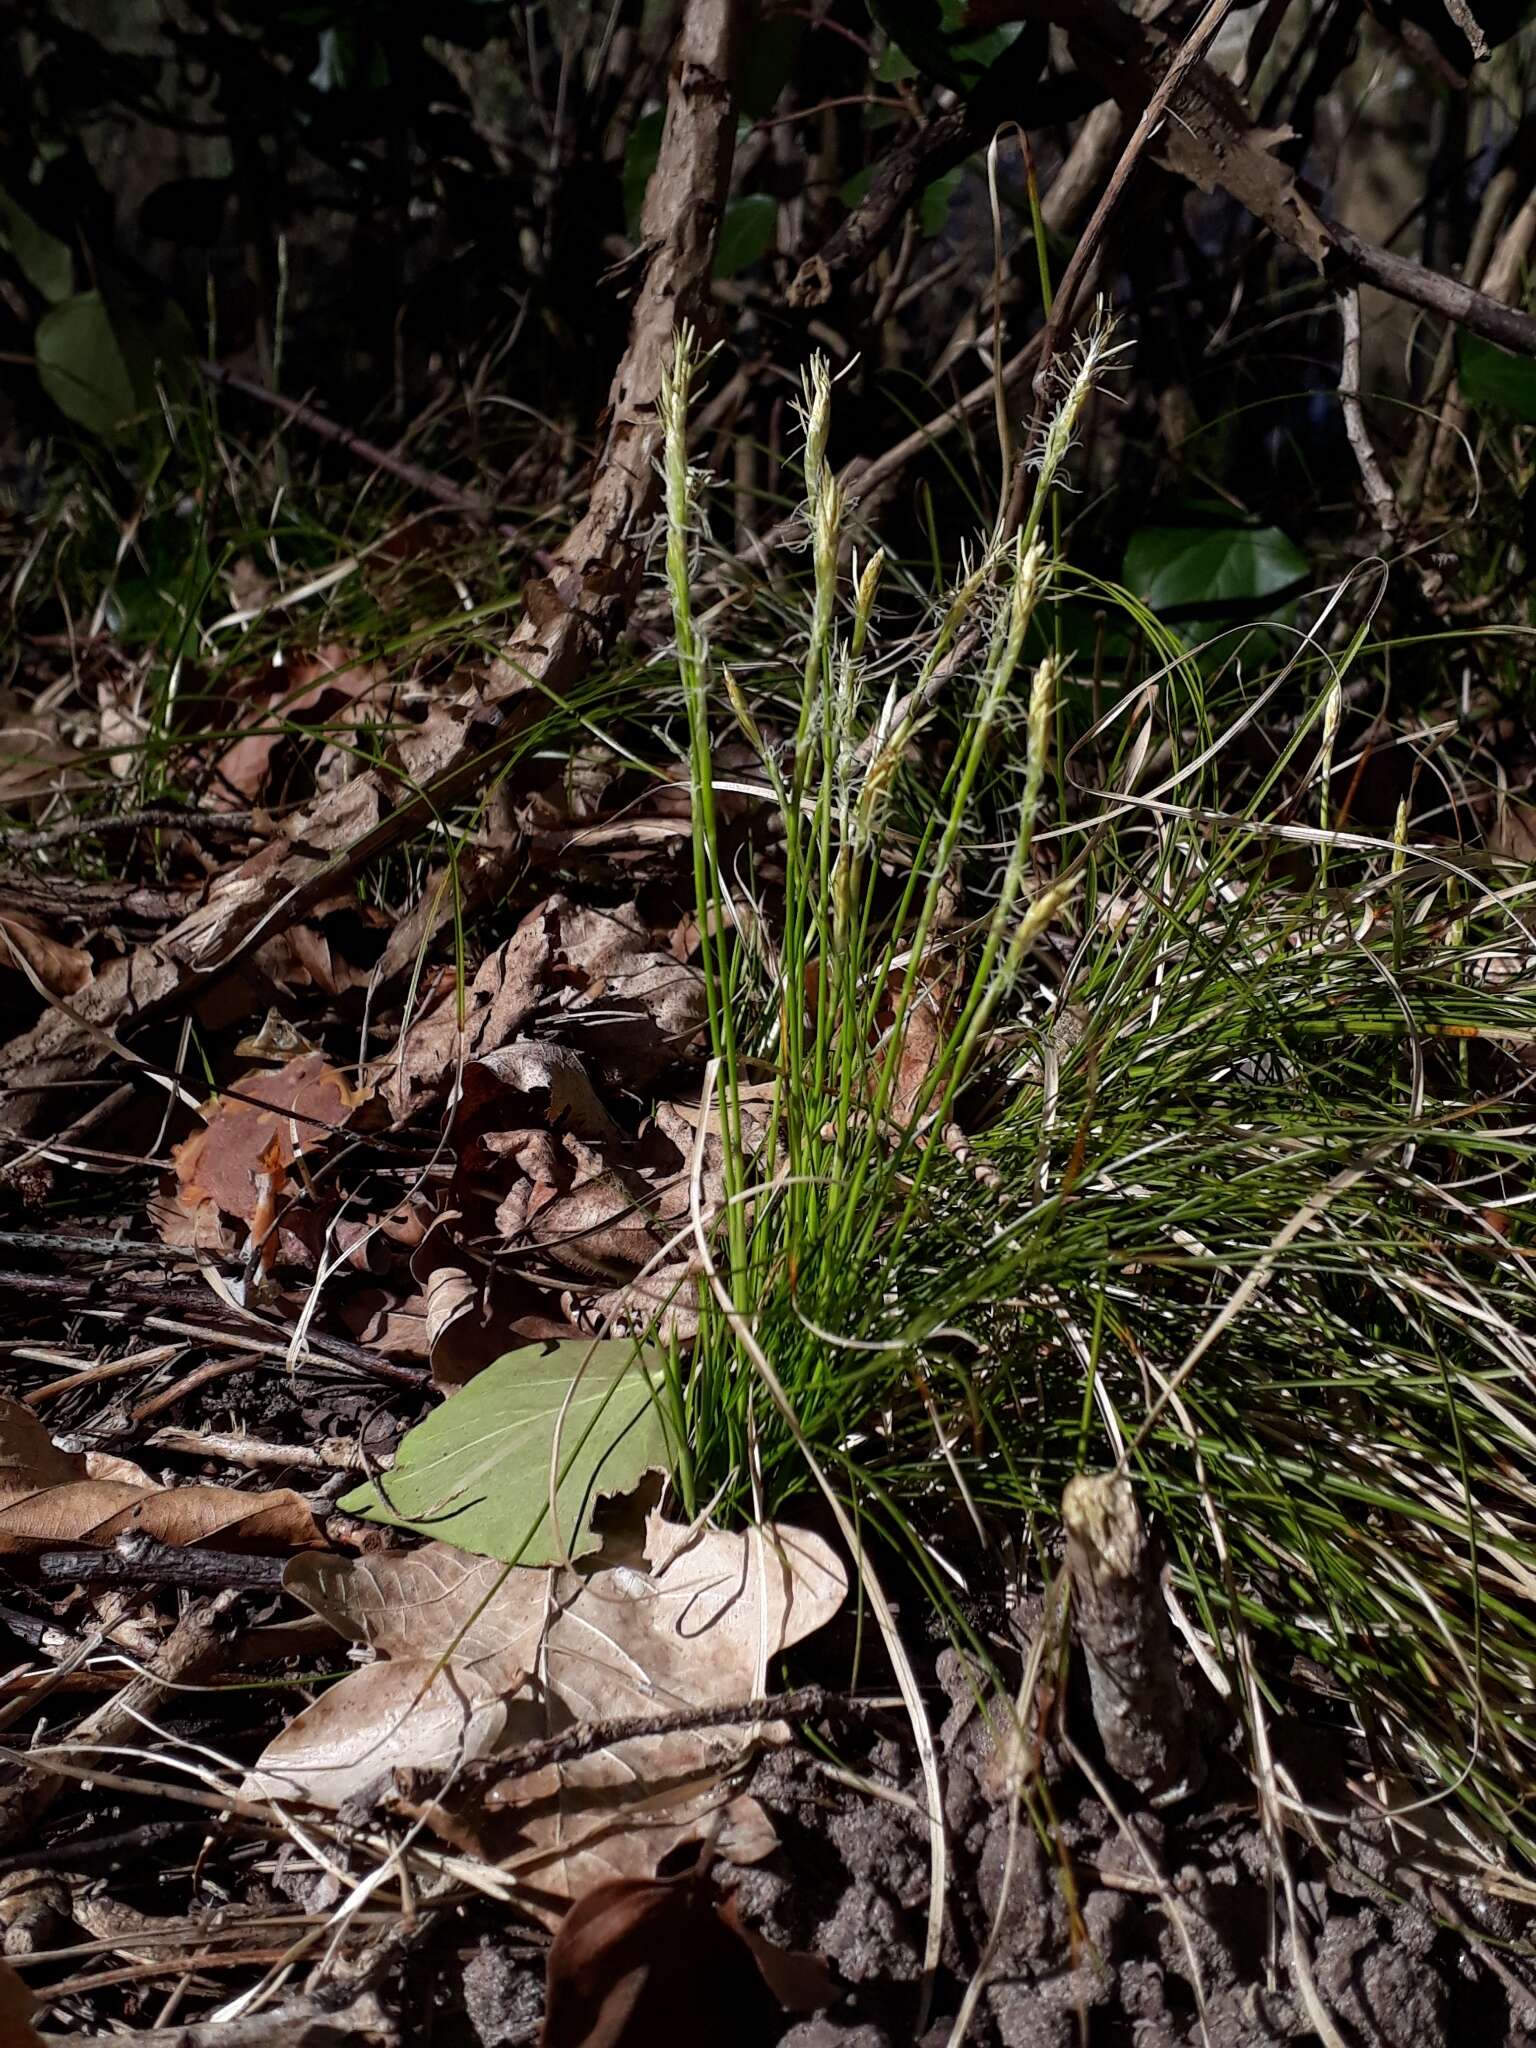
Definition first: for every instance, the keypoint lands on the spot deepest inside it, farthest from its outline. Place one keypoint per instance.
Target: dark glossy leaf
(933, 207)
(746, 233)
(82, 367)
(1174, 567)
(43, 260)
(639, 161)
(101, 357)
(1494, 380)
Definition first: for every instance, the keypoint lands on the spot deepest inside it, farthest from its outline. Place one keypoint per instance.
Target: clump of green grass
(1127, 1109)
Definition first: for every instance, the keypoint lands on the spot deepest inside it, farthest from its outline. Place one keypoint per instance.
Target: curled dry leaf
(922, 1038)
(504, 994)
(661, 1305)
(34, 757)
(645, 1960)
(698, 1629)
(239, 1165)
(51, 1497)
(61, 969)
(572, 1204)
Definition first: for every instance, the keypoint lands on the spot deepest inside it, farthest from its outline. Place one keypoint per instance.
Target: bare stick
(904, 172)
(1436, 293)
(296, 2026)
(1064, 303)
(315, 422)
(1122, 1624)
(1377, 489)
(805, 1703)
(139, 1560)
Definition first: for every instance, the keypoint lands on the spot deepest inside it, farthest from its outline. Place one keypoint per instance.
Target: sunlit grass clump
(1091, 1096)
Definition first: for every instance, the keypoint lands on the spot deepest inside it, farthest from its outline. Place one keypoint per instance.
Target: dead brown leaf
(239, 1165)
(630, 1003)
(569, 1202)
(647, 1960)
(17, 2006)
(502, 997)
(34, 757)
(61, 969)
(477, 1657)
(1513, 831)
(922, 1037)
(331, 686)
(51, 1497)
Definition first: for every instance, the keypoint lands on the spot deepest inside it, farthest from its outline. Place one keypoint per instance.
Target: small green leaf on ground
(1493, 379)
(1171, 567)
(476, 1472)
(746, 233)
(104, 357)
(640, 155)
(933, 207)
(43, 259)
(82, 365)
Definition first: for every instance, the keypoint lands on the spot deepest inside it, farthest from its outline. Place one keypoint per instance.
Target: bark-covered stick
(1122, 1624)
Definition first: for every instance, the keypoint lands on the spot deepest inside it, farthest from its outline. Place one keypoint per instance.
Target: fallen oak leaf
(695, 1630)
(53, 1498)
(478, 1468)
(435, 1042)
(333, 686)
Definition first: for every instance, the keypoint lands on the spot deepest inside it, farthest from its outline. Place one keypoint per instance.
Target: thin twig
(241, 823)
(315, 422)
(1086, 253)
(1377, 489)
(804, 1703)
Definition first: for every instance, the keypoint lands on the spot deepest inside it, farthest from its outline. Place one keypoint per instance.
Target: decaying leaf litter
(618, 1158)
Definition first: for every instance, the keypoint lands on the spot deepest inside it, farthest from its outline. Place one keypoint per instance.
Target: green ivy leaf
(100, 357)
(44, 261)
(82, 365)
(933, 207)
(476, 1472)
(1493, 379)
(640, 154)
(1173, 567)
(746, 233)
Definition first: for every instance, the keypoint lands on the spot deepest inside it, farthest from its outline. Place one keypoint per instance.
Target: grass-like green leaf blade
(476, 1472)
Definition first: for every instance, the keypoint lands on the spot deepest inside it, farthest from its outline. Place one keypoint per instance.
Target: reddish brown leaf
(239, 1164)
(643, 1961)
(17, 2006)
(329, 685)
